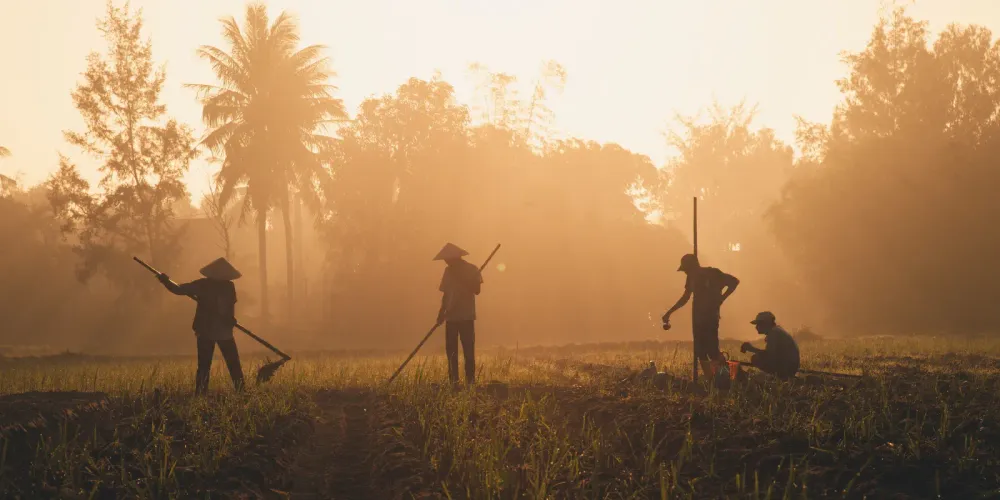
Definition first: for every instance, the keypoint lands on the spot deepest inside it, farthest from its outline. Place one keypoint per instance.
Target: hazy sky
(631, 64)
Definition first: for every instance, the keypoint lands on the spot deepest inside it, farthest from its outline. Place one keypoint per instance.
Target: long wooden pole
(238, 326)
(811, 372)
(694, 373)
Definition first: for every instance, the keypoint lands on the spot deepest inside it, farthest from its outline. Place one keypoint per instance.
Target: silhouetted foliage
(500, 104)
(578, 255)
(142, 156)
(44, 305)
(8, 184)
(737, 171)
(891, 214)
(884, 221)
(263, 118)
(223, 215)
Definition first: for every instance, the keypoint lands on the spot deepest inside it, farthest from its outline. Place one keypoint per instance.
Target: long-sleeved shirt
(215, 315)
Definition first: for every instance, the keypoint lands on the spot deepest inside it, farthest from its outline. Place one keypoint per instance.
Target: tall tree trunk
(262, 257)
(300, 262)
(227, 246)
(286, 214)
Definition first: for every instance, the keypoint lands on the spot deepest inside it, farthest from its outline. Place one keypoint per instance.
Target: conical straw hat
(450, 252)
(220, 269)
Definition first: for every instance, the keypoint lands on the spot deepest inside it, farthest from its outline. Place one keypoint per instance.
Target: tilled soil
(28, 418)
(335, 462)
(903, 435)
(86, 445)
(912, 431)
(37, 409)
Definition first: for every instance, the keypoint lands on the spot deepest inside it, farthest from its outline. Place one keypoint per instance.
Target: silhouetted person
(214, 319)
(706, 284)
(780, 356)
(460, 284)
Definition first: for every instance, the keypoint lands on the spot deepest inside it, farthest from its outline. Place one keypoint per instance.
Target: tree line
(881, 224)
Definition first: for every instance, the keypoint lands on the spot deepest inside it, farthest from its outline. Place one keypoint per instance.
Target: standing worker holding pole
(460, 284)
(453, 255)
(214, 318)
(706, 284)
(216, 298)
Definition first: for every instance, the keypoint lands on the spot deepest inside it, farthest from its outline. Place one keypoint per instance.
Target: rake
(264, 373)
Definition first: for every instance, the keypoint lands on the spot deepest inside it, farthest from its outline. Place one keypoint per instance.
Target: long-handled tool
(811, 372)
(270, 367)
(694, 373)
(435, 327)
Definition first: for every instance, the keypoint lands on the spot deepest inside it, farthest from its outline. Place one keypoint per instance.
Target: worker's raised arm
(188, 289)
(730, 282)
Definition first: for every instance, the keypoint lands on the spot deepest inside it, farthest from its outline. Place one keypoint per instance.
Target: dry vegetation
(923, 421)
(841, 228)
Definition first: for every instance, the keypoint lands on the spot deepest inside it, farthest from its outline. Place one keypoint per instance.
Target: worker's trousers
(206, 349)
(767, 363)
(466, 330)
(706, 335)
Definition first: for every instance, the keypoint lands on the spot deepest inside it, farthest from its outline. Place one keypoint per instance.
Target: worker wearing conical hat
(214, 318)
(460, 284)
(710, 288)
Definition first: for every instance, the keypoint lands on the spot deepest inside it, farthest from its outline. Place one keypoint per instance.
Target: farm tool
(264, 373)
(666, 326)
(809, 372)
(435, 327)
(694, 240)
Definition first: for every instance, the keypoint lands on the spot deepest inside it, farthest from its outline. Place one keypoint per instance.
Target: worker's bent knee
(762, 363)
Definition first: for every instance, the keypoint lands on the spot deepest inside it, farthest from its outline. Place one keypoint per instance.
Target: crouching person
(214, 319)
(780, 356)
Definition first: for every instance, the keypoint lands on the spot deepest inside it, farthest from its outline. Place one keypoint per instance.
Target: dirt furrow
(335, 462)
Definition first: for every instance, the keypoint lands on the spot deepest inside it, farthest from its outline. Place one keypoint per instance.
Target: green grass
(924, 422)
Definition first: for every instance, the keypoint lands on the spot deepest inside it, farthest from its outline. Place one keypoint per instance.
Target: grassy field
(923, 422)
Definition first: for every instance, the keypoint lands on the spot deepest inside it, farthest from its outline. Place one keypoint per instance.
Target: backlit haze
(874, 215)
(630, 65)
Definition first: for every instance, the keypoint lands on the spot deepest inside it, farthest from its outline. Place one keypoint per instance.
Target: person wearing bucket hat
(706, 285)
(460, 284)
(780, 355)
(214, 318)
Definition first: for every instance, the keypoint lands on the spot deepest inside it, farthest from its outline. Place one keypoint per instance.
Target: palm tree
(263, 117)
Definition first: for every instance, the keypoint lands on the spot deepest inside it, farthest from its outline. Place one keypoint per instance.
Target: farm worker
(460, 284)
(214, 318)
(706, 284)
(781, 354)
